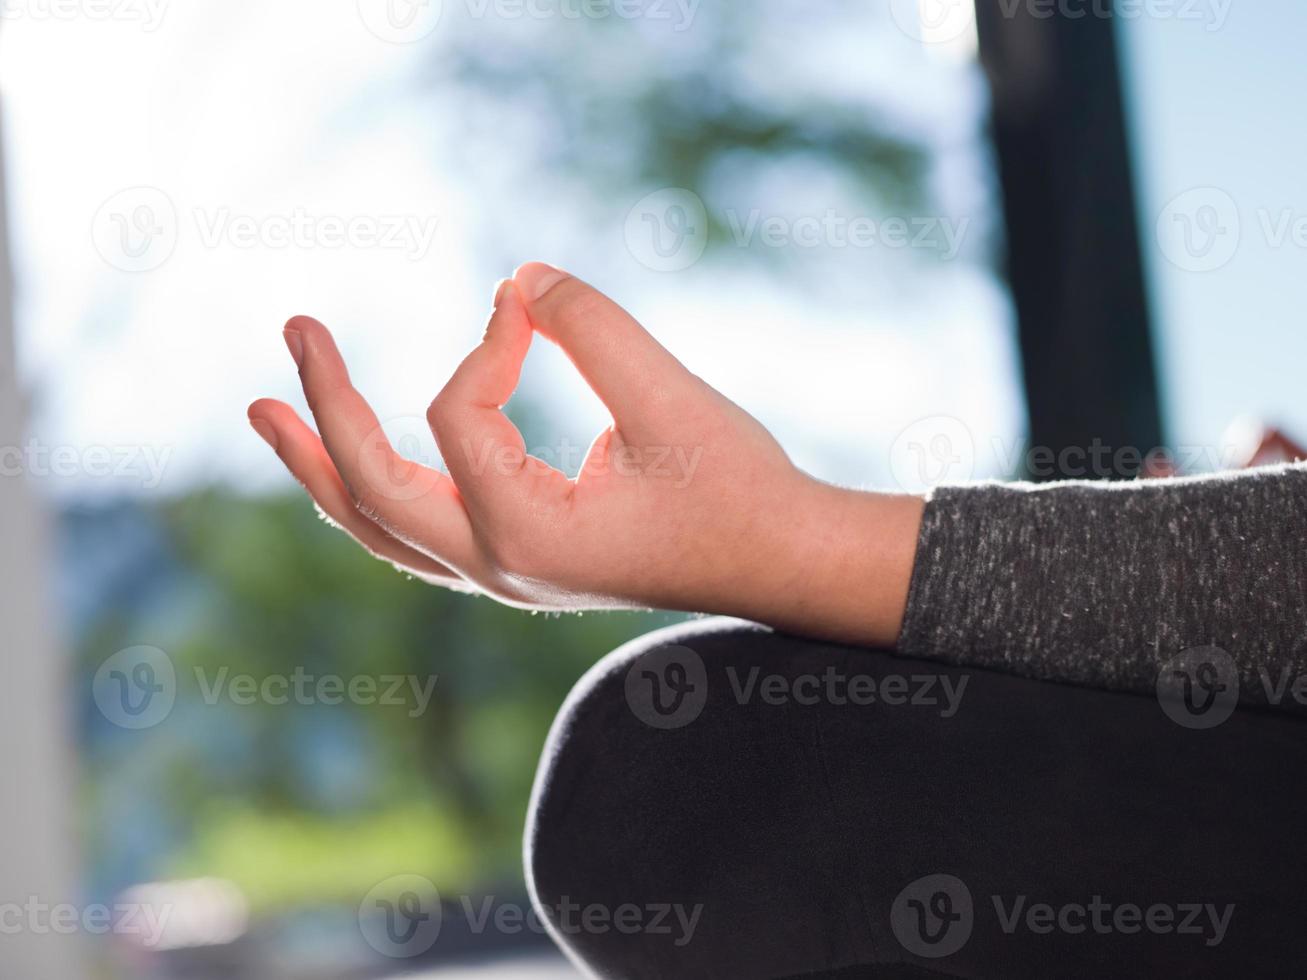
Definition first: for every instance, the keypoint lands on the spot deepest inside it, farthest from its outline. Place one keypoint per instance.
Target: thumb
(480, 445)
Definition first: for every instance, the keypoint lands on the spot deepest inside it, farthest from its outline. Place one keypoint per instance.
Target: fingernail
(266, 431)
(499, 291)
(536, 279)
(295, 343)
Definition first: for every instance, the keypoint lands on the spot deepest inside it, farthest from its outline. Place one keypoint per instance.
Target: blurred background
(919, 241)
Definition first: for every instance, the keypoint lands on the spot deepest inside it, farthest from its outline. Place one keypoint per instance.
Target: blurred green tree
(301, 802)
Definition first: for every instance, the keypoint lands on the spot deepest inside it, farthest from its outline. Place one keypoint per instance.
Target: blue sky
(245, 110)
(1214, 107)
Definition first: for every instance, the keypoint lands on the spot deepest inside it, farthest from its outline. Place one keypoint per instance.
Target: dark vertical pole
(1073, 255)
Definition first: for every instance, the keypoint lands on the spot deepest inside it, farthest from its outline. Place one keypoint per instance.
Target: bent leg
(719, 801)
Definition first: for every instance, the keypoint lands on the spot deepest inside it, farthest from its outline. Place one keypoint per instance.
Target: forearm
(1102, 584)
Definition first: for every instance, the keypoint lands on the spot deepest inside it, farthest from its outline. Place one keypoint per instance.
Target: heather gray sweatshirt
(1104, 584)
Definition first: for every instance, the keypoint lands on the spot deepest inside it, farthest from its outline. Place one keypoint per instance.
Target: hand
(684, 502)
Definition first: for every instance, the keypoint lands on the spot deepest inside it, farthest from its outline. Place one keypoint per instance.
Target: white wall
(36, 830)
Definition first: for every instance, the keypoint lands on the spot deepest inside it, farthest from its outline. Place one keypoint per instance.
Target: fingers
(619, 359)
(483, 450)
(302, 451)
(416, 504)
(373, 491)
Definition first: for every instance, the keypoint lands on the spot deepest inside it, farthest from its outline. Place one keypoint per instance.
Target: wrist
(839, 564)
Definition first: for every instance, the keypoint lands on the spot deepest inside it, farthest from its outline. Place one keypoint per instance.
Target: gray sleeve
(1103, 584)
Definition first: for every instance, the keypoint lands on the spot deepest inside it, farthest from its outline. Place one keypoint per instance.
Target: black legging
(775, 839)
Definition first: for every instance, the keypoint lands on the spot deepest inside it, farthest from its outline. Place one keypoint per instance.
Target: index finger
(416, 504)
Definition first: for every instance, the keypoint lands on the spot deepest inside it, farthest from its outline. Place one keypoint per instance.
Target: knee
(620, 790)
(673, 813)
